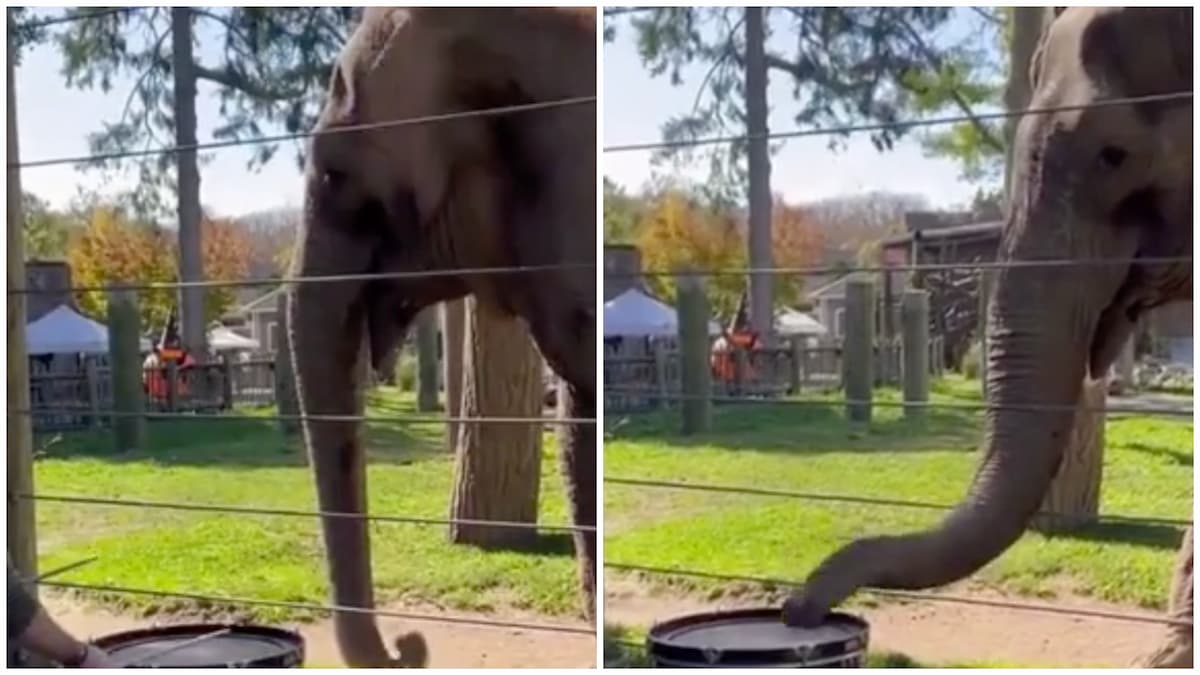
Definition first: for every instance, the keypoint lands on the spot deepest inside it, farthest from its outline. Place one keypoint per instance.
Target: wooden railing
(74, 400)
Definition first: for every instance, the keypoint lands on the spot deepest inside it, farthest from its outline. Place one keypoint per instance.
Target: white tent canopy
(223, 339)
(791, 322)
(65, 331)
(635, 314)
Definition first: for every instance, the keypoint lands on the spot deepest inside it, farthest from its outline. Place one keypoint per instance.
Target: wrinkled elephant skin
(1111, 182)
(491, 191)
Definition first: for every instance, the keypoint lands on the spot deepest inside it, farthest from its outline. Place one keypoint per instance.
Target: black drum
(205, 646)
(757, 638)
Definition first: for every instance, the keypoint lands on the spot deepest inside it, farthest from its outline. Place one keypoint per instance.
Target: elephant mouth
(389, 316)
(1116, 324)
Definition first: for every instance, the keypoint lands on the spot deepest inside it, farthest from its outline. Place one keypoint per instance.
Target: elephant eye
(333, 179)
(1112, 156)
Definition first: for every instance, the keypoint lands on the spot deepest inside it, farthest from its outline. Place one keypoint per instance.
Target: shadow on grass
(1166, 537)
(545, 543)
(807, 429)
(1178, 456)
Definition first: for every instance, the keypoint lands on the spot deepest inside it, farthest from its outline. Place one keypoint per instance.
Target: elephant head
(436, 203)
(1099, 183)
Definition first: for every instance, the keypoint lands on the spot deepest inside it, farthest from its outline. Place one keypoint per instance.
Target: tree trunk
(452, 361)
(427, 359)
(498, 466)
(1026, 24)
(761, 315)
(191, 262)
(1074, 495)
(22, 542)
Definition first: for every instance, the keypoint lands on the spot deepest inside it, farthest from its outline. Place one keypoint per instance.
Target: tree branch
(137, 87)
(228, 77)
(935, 62)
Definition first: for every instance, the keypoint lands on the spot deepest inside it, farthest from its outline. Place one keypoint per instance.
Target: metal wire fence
(374, 418)
(1016, 266)
(630, 147)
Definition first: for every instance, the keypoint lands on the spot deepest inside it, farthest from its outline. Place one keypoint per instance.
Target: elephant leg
(578, 456)
(1176, 650)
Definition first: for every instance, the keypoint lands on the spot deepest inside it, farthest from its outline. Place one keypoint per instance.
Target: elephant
(1097, 183)
(455, 199)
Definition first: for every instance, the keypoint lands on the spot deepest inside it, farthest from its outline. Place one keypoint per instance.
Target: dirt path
(944, 633)
(450, 645)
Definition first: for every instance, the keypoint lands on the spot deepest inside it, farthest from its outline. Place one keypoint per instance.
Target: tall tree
(847, 65)
(269, 67)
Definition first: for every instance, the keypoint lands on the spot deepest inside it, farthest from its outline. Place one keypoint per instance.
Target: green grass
(1147, 472)
(249, 463)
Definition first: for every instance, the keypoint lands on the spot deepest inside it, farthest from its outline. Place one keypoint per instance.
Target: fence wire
(242, 417)
(490, 271)
(872, 501)
(901, 124)
(913, 595)
(1176, 411)
(314, 607)
(277, 138)
(257, 511)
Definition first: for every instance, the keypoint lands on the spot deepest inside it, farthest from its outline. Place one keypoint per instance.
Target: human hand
(97, 658)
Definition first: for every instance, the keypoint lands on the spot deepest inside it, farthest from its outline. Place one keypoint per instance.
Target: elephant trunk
(1041, 329)
(326, 322)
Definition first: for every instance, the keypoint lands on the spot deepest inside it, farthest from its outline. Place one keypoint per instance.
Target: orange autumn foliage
(113, 250)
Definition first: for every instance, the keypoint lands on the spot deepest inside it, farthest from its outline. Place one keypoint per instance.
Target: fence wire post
(859, 354)
(126, 369)
(915, 325)
(284, 383)
(22, 546)
(695, 376)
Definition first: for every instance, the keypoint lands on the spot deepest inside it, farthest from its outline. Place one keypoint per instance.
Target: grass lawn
(249, 463)
(1147, 472)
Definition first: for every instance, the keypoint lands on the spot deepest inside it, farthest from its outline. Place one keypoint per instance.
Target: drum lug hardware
(802, 654)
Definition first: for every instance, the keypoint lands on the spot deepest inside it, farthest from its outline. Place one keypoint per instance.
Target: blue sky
(635, 105)
(54, 122)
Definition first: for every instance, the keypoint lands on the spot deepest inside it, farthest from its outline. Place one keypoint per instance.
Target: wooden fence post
(858, 353)
(227, 388)
(124, 331)
(427, 361)
(914, 320)
(741, 371)
(660, 375)
(22, 539)
(796, 373)
(91, 378)
(286, 400)
(172, 385)
(695, 376)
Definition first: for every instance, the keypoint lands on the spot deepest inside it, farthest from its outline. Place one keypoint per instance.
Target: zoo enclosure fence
(94, 398)
(18, 166)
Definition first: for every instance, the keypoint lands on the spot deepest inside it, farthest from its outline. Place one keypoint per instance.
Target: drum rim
(656, 641)
(293, 640)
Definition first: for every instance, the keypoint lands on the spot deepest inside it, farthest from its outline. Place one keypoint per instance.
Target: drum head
(751, 637)
(241, 647)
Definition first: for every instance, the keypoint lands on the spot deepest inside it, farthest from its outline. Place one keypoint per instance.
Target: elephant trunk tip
(413, 650)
